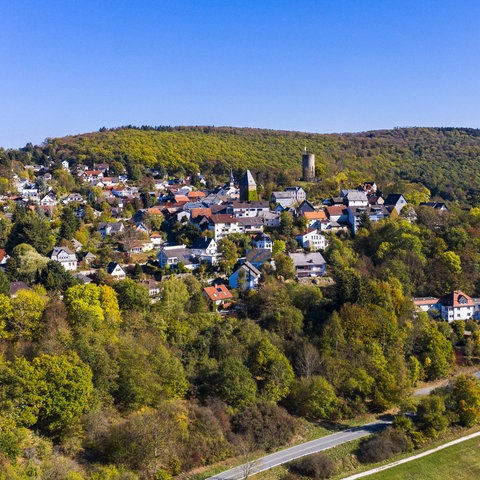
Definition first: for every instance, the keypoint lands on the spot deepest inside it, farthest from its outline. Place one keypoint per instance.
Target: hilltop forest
(445, 160)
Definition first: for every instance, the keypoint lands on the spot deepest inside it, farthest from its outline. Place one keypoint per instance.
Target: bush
(265, 424)
(316, 466)
(383, 445)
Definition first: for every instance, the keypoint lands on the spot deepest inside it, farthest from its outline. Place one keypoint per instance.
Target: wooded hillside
(444, 159)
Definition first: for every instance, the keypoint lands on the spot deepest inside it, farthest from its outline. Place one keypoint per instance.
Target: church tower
(248, 188)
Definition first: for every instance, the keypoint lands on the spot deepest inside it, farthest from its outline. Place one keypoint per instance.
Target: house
(304, 207)
(396, 200)
(312, 239)
(456, 305)
(217, 295)
(174, 255)
(439, 206)
(270, 219)
(206, 250)
(251, 275)
(15, 287)
(314, 218)
(92, 176)
(77, 246)
(376, 213)
(223, 225)
(308, 264)
(3, 258)
(152, 286)
(285, 199)
(355, 198)
(65, 165)
(65, 257)
(110, 228)
(247, 209)
(156, 239)
(337, 213)
(49, 200)
(88, 258)
(263, 241)
(250, 224)
(298, 193)
(115, 270)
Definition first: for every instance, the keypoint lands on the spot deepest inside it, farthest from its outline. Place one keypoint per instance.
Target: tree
(314, 397)
(228, 250)
(55, 277)
(25, 322)
(431, 418)
(69, 223)
(131, 295)
(284, 265)
(32, 230)
(50, 392)
(235, 384)
(463, 399)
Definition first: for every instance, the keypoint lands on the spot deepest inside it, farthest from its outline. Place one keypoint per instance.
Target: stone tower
(308, 166)
(248, 188)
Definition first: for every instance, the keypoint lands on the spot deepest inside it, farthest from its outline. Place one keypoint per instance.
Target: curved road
(314, 446)
(292, 453)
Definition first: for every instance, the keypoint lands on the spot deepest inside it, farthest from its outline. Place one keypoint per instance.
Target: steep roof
(247, 179)
(457, 299)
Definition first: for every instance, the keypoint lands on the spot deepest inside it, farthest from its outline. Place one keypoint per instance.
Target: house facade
(308, 264)
(65, 257)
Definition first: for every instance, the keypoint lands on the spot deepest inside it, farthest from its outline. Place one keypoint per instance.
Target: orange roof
(457, 299)
(196, 194)
(218, 292)
(181, 198)
(154, 211)
(200, 211)
(317, 215)
(155, 235)
(2, 254)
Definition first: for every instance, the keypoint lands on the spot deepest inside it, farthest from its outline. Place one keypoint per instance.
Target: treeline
(445, 160)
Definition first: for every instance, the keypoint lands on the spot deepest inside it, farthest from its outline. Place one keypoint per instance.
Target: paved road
(427, 390)
(308, 448)
(324, 443)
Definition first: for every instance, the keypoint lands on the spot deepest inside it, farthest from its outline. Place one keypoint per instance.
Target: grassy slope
(458, 462)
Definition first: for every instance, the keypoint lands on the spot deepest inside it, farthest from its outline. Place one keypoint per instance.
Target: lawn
(461, 461)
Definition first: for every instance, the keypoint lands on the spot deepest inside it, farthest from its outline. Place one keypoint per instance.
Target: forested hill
(443, 159)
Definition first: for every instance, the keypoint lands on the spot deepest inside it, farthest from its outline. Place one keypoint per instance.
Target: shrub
(318, 466)
(383, 445)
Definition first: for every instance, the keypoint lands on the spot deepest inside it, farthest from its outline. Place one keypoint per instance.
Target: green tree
(32, 230)
(235, 384)
(314, 397)
(131, 295)
(69, 223)
(463, 399)
(229, 253)
(431, 416)
(284, 265)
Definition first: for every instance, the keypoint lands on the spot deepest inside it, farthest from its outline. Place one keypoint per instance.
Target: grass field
(459, 462)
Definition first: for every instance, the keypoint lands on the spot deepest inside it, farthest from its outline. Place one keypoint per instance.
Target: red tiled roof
(218, 292)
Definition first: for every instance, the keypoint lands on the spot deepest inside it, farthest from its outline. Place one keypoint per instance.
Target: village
(181, 227)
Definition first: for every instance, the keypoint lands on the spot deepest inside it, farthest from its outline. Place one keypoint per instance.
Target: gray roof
(247, 179)
(305, 259)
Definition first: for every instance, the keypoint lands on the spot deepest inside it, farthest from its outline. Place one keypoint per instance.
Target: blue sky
(70, 67)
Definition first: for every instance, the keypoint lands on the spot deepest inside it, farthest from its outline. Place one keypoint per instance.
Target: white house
(251, 275)
(312, 239)
(308, 264)
(206, 249)
(65, 257)
(456, 305)
(175, 254)
(115, 270)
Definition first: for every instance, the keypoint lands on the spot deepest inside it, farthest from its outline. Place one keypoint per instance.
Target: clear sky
(73, 66)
